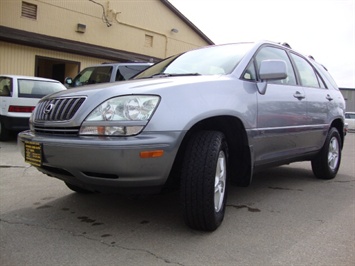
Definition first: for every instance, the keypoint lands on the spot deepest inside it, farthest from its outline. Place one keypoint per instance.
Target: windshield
(212, 60)
(93, 75)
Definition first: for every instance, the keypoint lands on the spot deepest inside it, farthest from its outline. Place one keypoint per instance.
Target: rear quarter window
(127, 72)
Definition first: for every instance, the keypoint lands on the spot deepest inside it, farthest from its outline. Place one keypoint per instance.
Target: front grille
(60, 109)
(67, 131)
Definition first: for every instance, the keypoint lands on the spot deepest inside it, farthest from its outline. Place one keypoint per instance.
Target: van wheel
(4, 132)
(326, 163)
(204, 180)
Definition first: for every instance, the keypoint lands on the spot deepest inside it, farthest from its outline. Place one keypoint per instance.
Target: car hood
(139, 86)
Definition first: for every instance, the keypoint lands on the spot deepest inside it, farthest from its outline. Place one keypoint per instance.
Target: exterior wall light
(80, 28)
(174, 30)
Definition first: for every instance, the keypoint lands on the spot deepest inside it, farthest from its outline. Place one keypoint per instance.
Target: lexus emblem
(48, 108)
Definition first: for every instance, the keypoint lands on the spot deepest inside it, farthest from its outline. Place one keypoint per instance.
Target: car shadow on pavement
(105, 215)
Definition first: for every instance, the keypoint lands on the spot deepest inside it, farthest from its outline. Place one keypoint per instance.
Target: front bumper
(107, 164)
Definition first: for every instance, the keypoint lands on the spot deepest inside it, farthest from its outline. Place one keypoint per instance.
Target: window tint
(93, 75)
(268, 53)
(307, 75)
(126, 72)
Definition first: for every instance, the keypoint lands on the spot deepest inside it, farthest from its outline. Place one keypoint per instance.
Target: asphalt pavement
(286, 217)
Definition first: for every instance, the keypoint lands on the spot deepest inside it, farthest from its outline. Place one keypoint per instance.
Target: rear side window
(126, 72)
(322, 70)
(37, 89)
(307, 74)
(5, 87)
(268, 53)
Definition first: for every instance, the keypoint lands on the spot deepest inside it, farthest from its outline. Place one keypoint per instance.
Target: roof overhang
(187, 21)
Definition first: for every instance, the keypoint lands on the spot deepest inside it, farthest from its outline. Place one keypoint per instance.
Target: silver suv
(201, 121)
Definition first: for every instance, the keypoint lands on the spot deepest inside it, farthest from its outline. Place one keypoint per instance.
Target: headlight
(120, 116)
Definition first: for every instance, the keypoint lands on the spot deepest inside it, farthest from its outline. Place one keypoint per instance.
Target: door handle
(299, 95)
(329, 98)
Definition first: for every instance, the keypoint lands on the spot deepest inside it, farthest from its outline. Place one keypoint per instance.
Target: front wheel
(204, 180)
(326, 164)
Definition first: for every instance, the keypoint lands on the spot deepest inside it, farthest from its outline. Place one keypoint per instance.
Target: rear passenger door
(319, 101)
(281, 115)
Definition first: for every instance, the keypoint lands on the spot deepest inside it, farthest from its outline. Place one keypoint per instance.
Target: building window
(29, 10)
(148, 41)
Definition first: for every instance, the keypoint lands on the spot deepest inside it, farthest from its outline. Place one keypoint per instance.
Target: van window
(93, 75)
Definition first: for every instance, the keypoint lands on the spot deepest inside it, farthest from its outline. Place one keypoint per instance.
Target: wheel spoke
(220, 182)
(333, 154)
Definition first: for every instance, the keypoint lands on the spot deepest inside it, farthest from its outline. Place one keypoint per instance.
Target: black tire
(206, 158)
(78, 189)
(4, 132)
(326, 164)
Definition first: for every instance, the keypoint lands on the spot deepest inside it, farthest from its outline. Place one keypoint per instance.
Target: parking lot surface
(286, 217)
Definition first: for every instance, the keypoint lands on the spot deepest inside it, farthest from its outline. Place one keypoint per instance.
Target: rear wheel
(326, 164)
(4, 132)
(204, 180)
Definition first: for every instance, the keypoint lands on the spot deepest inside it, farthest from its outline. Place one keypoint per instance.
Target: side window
(93, 75)
(307, 74)
(321, 82)
(268, 53)
(100, 75)
(5, 87)
(128, 71)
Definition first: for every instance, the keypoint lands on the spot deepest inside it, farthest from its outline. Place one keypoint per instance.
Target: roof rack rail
(286, 45)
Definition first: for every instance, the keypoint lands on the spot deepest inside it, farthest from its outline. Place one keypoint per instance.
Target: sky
(324, 29)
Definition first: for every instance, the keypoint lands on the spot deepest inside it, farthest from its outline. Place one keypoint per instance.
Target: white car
(350, 120)
(18, 97)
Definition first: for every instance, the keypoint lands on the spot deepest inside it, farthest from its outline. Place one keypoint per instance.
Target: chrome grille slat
(63, 109)
(58, 110)
(70, 108)
(57, 106)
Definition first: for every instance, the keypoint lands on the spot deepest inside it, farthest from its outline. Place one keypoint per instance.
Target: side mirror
(68, 81)
(271, 70)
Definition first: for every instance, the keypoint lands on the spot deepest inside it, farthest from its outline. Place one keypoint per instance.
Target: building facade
(57, 38)
(349, 97)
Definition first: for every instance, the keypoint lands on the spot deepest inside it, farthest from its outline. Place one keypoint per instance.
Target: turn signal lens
(151, 154)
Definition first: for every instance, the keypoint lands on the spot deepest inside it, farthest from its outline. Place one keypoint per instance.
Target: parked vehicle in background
(350, 120)
(18, 97)
(105, 73)
(201, 120)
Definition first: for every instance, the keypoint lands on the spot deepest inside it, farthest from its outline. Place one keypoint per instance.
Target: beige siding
(131, 22)
(22, 59)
